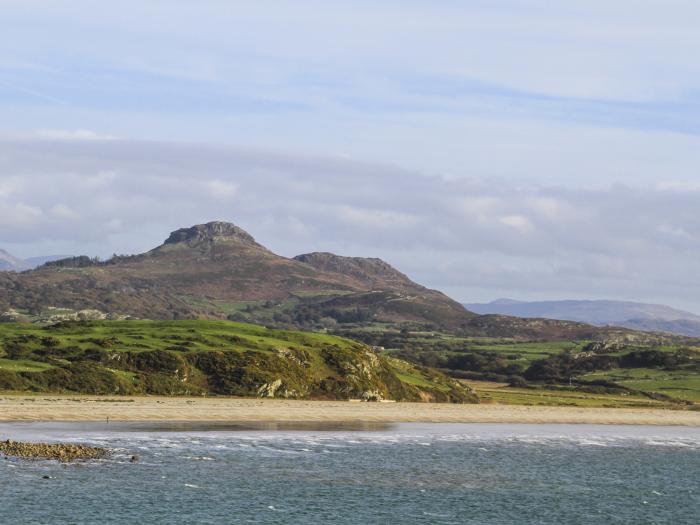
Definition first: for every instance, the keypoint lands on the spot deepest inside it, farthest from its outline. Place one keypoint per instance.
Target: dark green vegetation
(632, 371)
(208, 358)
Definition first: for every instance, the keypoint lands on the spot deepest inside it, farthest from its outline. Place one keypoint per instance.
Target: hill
(208, 357)
(635, 316)
(217, 270)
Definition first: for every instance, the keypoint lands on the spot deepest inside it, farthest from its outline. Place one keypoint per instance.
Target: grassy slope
(679, 384)
(328, 361)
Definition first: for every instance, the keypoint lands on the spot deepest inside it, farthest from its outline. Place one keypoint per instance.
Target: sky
(525, 149)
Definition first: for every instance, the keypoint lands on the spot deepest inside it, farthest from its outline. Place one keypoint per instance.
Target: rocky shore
(57, 451)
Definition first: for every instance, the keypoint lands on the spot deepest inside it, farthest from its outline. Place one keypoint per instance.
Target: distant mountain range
(636, 316)
(12, 263)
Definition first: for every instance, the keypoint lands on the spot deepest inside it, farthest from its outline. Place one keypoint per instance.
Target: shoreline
(65, 408)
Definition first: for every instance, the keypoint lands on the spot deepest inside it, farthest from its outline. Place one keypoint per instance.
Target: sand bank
(99, 408)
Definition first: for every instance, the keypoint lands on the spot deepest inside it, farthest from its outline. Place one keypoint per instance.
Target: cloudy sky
(486, 148)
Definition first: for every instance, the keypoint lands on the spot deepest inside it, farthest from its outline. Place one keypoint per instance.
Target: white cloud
(18, 215)
(381, 219)
(75, 134)
(61, 211)
(518, 222)
(568, 90)
(220, 189)
(470, 237)
(7, 187)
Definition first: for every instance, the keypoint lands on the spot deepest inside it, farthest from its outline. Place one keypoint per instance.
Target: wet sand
(101, 408)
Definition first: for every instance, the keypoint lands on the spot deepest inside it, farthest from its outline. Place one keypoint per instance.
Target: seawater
(405, 474)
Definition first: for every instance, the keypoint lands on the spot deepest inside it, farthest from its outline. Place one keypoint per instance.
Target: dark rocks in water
(134, 459)
(58, 451)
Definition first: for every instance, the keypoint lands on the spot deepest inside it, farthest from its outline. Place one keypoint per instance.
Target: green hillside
(198, 357)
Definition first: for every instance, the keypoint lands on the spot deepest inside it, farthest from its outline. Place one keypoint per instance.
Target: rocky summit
(210, 233)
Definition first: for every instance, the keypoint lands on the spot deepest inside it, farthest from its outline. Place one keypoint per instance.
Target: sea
(199, 473)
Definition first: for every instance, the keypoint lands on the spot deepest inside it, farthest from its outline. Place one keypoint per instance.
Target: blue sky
(498, 99)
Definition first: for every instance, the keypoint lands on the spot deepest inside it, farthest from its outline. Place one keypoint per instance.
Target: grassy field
(492, 392)
(503, 361)
(23, 365)
(206, 356)
(679, 384)
(29, 351)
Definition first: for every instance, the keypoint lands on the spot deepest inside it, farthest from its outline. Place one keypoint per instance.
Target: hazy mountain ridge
(627, 314)
(9, 262)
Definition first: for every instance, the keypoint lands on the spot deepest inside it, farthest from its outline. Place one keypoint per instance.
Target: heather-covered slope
(215, 270)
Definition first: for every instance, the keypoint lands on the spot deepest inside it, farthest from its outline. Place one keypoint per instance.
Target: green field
(624, 375)
(490, 392)
(206, 357)
(23, 365)
(679, 384)
(230, 358)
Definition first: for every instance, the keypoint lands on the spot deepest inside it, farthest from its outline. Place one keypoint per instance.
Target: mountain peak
(210, 232)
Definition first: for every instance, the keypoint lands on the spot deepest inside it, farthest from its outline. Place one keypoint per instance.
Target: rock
(269, 389)
(603, 347)
(371, 396)
(57, 451)
(11, 316)
(210, 232)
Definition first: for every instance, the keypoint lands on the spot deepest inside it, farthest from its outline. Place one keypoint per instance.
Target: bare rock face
(211, 232)
(270, 389)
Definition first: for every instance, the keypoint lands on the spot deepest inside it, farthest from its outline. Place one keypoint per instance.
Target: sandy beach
(99, 408)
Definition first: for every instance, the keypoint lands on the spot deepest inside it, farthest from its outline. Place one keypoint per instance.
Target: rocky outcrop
(269, 389)
(371, 396)
(210, 232)
(374, 272)
(57, 451)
